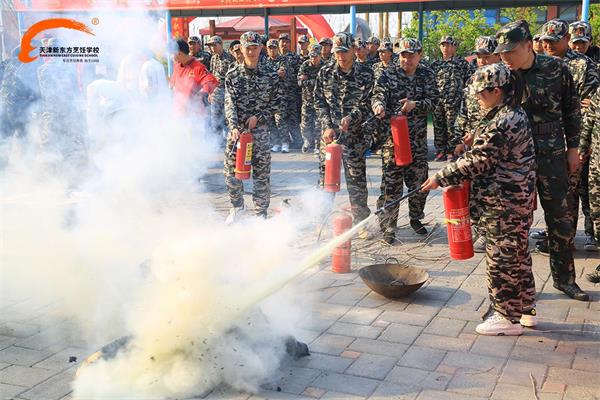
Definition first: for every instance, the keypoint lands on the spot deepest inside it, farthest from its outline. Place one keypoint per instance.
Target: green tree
(465, 26)
(595, 21)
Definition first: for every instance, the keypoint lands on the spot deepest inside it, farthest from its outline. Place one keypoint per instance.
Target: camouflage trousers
(217, 112)
(355, 170)
(579, 188)
(511, 286)
(554, 194)
(393, 180)
(261, 172)
(594, 190)
(444, 117)
(310, 127)
(475, 210)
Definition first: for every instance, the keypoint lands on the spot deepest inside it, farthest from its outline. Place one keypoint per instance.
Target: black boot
(572, 290)
(389, 237)
(418, 227)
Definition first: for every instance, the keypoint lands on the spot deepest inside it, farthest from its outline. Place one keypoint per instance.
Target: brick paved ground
(363, 345)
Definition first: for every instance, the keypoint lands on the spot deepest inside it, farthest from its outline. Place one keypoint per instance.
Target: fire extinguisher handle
(232, 152)
(368, 121)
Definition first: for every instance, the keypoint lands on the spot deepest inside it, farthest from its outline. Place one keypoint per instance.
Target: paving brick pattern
(365, 346)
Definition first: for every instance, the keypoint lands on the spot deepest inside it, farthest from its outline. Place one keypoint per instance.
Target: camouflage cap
(409, 46)
(485, 45)
(385, 45)
(359, 42)
(326, 41)
(193, 39)
(582, 27)
(489, 77)
(536, 37)
(374, 40)
(272, 43)
(250, 39)
(554, 30)
(302, 39)
(343, 41)
(315, 50)
(264, 39)
(284, 36)
(449, 40)
(214, 40)
(511, 34)
(578, 37)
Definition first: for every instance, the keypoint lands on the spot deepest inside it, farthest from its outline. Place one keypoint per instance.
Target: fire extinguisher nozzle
(394, 202)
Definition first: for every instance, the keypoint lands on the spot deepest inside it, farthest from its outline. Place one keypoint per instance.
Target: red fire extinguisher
(243, 156)
(456, 204)
(400, 136)
(333, 165)
(340, 257)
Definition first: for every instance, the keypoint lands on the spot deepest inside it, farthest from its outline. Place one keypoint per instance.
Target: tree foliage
(465, 26)
(595, 21)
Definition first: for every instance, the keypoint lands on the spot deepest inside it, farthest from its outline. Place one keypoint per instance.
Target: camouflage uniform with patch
(451, 76)
(589, 144)
(251, 92)
(467, 121)
(393, 86)
(219, 65)
(586, 79)
(309, 126)
(553, 108)
(339, 95)
(502, 159)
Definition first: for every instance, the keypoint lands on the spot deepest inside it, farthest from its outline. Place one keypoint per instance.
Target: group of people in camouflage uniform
(518, 125)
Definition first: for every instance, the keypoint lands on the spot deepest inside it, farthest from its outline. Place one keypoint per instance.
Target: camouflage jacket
(219, 65)
(293, 62)
(338, 95)
(251, 92)
(204, 57)
(373, 59)
(594, 53)
(590, 134)
(379, 67)
(451, 76)
(468, 117)
(552, 105)
(308, 85)
(394, 85)
(501, 161)
(584, 72)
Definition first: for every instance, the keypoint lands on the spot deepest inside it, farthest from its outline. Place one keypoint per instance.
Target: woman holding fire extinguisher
(407, 88)
(502, 161)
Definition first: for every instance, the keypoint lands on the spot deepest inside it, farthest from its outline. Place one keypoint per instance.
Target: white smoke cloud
(126, 243)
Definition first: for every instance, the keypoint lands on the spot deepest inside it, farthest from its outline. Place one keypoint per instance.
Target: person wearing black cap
(554, 112)
(236, 52)
(555, 38)
(197, 51)
(451, 74)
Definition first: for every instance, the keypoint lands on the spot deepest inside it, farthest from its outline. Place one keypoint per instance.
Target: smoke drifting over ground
(117, 232)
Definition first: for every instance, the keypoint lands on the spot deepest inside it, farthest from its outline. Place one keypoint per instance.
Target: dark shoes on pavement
(418, 227)
(572, 290)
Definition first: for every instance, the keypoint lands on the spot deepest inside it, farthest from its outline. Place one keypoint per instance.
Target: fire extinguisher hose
(394, 202)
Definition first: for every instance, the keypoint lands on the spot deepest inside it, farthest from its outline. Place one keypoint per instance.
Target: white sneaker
(498, 325)
(479, 246)
(234, 213)
(276, 148)
(529, 318)
(285, 148)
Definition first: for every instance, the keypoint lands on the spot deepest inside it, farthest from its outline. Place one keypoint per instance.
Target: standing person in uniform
(220, 62)
(583, 28)
(555, 38)
(362, 54)
(252, 97)
(553, 108)
(451, 74)
(503, 159)
(589, 149)
(326, 46)
(303, 51)
(468, 118)
(538, 46)
(292, 91)
(307, 77)
(279, 131)
(373, 44)
(406, 88)
(197, 51)
(385, 55)
(342, 94)
(235, 51)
